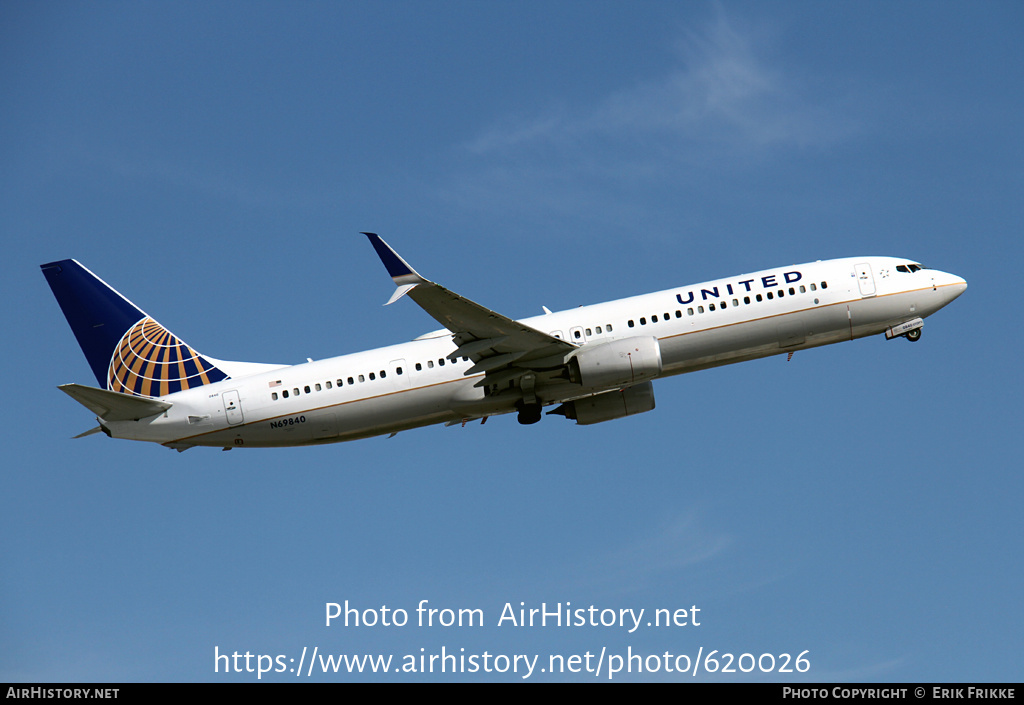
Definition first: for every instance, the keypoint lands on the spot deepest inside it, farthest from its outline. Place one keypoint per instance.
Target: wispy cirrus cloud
(726, 103)
(723, 91)
(680, 543)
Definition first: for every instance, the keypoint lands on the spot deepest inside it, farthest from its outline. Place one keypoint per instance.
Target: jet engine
(609, 405)
(617, 363)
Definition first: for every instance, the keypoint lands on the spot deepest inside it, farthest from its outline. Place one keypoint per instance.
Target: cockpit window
(908, 268)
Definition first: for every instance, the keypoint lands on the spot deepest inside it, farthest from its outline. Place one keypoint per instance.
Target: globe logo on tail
(150, 361)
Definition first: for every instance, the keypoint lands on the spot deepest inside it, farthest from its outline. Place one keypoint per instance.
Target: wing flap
(475, 347)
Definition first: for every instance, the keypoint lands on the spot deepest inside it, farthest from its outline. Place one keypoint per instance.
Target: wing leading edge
(500, 347)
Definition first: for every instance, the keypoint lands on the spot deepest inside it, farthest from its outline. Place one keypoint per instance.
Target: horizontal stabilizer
(114, 406)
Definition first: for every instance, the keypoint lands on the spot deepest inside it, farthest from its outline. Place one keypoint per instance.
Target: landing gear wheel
(529, 413)
(914, 335)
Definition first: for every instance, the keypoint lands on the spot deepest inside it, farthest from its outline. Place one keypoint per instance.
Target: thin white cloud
(680, 543)
(723, 91)
(726, 104)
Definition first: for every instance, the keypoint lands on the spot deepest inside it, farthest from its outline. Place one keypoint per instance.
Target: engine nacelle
(618, 363)
(609, 405)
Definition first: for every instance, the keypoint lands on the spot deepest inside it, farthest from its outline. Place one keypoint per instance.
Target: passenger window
(362, 379)
(372, 377)
(643, 321)
(824, 285)
(813, 287)
(711, 307)
(285, 394)
(746, 299)
(599, 330)
(631, 323)
(398, 370)
(759, 298)
(352, 381)
(273, 395)
(769, 295)
(654, 318)
(689, 311)
(608, 328)
(441, 362)
(700, 309)
(430, 364)
(803, 289)
(419, 367)
(328, 384)
(383, 374)
(318, 387)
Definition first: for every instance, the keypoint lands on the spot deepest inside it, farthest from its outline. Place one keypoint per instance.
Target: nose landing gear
(911, 330)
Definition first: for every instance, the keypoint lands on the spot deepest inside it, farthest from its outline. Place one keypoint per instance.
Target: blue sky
(215, 161)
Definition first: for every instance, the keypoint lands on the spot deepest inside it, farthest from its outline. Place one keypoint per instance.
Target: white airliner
(595, 362)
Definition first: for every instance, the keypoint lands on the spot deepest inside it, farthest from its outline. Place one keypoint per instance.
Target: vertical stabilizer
(128, 351)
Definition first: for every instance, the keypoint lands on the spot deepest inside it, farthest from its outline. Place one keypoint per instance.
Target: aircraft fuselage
(415, 384)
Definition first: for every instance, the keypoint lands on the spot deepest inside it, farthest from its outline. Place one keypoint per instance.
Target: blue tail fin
(128, 351)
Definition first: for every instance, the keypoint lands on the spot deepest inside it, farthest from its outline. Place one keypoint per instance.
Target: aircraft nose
(952, 286)
(959, 284)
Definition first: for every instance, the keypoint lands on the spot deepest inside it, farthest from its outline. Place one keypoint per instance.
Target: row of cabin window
(735, 303)
(597, 331)
(440, 363)
(351, 380)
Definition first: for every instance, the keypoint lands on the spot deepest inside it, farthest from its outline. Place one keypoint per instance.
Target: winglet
(404, 276)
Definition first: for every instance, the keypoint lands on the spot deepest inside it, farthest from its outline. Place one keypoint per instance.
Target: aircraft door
(232, 407)
(865, 280)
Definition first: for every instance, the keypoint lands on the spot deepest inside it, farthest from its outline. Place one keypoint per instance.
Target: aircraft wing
(502, 348)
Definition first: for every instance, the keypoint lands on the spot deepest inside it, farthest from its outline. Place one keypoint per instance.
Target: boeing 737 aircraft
(592, 363)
